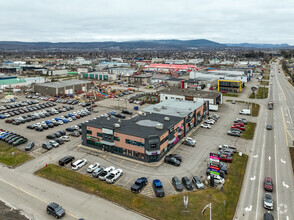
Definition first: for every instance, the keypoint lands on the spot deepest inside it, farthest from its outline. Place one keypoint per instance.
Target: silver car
(268, 201)
(198, 182)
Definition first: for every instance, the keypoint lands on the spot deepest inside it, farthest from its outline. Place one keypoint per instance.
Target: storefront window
(89, 132)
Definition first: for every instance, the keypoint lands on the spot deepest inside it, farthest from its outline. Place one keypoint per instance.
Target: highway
(270, 155)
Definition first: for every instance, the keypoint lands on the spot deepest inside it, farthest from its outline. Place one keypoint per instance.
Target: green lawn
(249, 132)
(265, 77)
(169, 207)
(266, 83)
(230, 94)
(11, 156)
(262, 93)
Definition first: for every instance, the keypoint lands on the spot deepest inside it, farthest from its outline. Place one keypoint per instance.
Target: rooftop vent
(117, 125)
(159, 126)
(157, 109)
(166, 118)
(164, 107)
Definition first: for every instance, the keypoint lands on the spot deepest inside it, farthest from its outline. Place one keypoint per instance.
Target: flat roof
(179, 108)
(170, 66)
(190, 92)
(64, 83)
(138, 126)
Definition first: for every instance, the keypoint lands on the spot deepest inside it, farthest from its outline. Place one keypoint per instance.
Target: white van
(245, 112)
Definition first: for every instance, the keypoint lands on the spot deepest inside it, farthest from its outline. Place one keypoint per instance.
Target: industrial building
(99, 76)
(60, 88)
(215, 99)
(146, 137)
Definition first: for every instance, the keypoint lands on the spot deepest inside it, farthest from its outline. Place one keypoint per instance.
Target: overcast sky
(224, 21)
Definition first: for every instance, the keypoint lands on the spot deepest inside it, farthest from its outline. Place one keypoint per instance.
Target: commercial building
(60, 88)
(99, 76)
(147, 137)
(215, 99)
(231, 86)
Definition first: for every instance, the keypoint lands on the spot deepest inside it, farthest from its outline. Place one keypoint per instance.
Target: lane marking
(276, 172)
(285, 185)
(148, 185)
(136, 165)
(255, 156)
(269, 158)
(36, 197)
(172, 186)
(285, 127)
(248, 209)
(252, 178)
(283, 161)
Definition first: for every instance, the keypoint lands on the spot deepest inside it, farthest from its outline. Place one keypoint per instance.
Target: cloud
(234, 21)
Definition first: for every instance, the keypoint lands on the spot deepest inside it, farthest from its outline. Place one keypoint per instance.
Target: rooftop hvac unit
(157, 109)
(164, 107)
(116, 125)
(159, 126)
(166, 118)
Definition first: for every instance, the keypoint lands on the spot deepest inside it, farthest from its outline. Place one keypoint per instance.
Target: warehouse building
(60, 88)
(147, 137)
(215, 99)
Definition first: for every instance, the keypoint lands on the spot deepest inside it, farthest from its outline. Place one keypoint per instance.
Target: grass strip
(262, 93)
(249, 131)
(11, 156)
(230, 94)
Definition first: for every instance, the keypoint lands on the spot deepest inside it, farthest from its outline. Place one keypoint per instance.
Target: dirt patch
(8, 213)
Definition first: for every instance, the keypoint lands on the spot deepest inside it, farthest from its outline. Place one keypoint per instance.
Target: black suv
(65, 160)
(187, 183)
(56, 210)
(172, 160)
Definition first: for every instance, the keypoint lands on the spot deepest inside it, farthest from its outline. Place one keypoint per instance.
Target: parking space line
(148, 185)
(121, 161)
(172, 186)
(119, 179)
(136, 165)
(128, 181)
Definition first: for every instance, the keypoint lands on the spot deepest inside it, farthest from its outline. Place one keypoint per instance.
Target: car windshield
(268, 183)
(268, 198)
(58, 208)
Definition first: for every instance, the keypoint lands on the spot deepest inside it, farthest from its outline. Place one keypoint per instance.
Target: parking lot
(195, 159)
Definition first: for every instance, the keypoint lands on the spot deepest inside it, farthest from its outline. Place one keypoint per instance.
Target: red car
(240, 123)
(225, 158)
(238, 127)
(268, 184)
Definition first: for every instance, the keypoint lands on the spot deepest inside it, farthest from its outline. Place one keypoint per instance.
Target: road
(270, 155)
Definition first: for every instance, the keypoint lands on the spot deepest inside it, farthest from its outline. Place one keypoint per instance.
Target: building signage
(93, 138)
(157, 152)
(171, 129)
(214, 164)
(107, 131)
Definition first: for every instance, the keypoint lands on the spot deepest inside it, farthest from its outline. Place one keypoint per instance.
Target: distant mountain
(261, 46)
(151, 44)
(132, 45)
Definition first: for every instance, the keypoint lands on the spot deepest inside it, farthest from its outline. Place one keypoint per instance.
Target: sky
(223, 21)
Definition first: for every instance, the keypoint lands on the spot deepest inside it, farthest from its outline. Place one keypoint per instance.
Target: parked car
(56, 210)
(172, 160)
(65, 138)
(225, 158)
(243, 120)
(92, 167)
(78, 164)
(119, 115)
(234, 133)
(106, 172)
(47, 146)
(196, 180)
(53, 143)
(51, 136)
(114, 175)
(205, 126)
(97, 171)
(65, 160)
(59, 141)
(225, 146)
(238, 127)
(177, 184)
(190, 142)
(268, 201)
(177, 156)
(139, 185)
(187, 183)
(217, 179)
(29, 146)
(158, 188)
(209, 121)
(268, 184)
